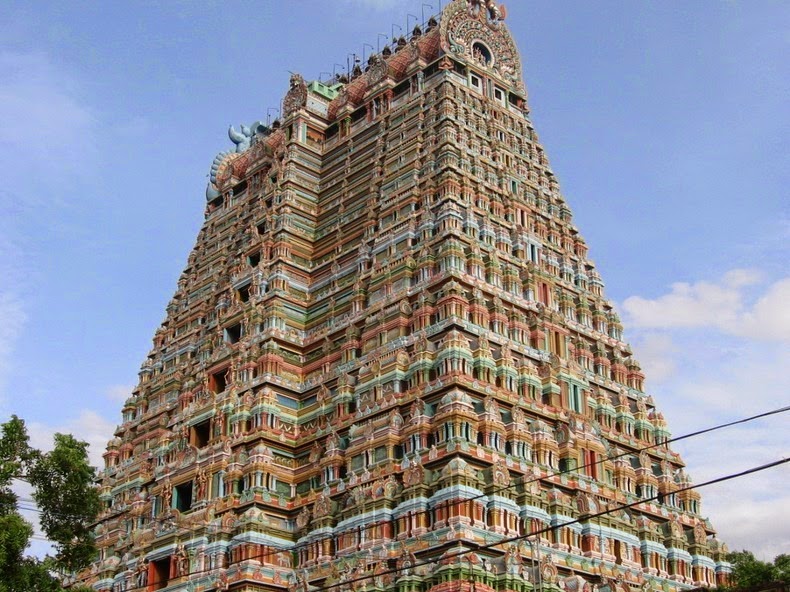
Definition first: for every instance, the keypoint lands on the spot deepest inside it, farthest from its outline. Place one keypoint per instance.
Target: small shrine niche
(481, 53)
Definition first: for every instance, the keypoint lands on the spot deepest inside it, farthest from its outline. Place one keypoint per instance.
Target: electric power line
(295, 548)
(585, 517)
(510, 540)
(519, 480)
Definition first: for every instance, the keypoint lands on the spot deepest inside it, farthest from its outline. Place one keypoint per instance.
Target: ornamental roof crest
(473, 30)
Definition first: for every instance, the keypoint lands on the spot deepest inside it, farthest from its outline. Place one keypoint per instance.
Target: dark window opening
(233, 333)
(217, 382)
(358, 115)
(160, 573)
(400, 89)
(201, 434)
(240, 188)
(215, 204)
(255, 258)
(182, 498)
(431, 70)
(244, 293)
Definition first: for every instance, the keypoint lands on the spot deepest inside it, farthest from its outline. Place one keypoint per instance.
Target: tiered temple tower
(389, 360)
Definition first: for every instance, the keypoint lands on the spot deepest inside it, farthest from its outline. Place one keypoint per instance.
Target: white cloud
(721, 305)
(750, 512)
(656, 356)
(711, 355)
(88, 426)
(758, 527)
(770, 317)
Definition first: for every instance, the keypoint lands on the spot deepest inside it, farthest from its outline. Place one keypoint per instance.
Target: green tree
(748, 571)
(782, 567)
(62, 481)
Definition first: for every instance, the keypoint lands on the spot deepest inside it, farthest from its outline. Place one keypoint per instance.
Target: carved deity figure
(315, 453)
(323, 506)
(141, 573)
(303, 519)
(391, 487)
(644, 460)
(201, 484)
(512, 560)
(332, 442)
(181, 561)
(495, 12)
(406, 561)
(501, 474)
(414, 474)
(167, 495)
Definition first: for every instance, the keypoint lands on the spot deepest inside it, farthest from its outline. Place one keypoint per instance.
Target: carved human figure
(167, 495)
(323, 506)
(417, 408)
(332, 442)
(219, 423)
(201, 484)
(315, 452)
(391, 487)
(141, 573)
(303, 518)
(414, 474)
(181, 561)
(512, 560)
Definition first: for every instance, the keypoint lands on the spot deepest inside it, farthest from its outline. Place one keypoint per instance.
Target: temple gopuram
(389, 364)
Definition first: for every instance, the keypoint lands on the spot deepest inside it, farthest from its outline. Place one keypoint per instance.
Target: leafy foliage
(63, 489)
(748, 571)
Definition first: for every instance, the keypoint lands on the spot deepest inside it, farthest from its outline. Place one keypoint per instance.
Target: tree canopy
(748, 571)
(68, 502)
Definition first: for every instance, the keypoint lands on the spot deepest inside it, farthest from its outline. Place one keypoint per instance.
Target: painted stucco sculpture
(389, 363)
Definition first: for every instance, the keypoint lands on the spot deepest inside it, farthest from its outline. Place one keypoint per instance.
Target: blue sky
(666, 123)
